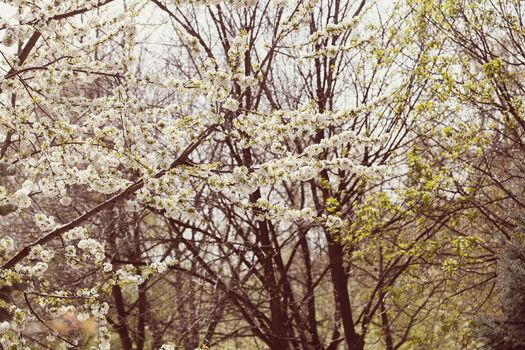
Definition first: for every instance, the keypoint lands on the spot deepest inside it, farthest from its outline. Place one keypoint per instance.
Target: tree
(483, 77)
(237, 173)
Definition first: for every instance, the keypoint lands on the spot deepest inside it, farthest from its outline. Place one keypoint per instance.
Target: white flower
(4, 327)
(127, 277)
(231, 104)
(99, 311)
(84, 176)
(66, 201)
(345, 164)
(107, 267)
(39, 269)
(46, 255)
(71, 251)
(39, 253)
(93, 248)
(305, 173)
(7, 245)
(9, 38)
(239, 46)
(75, 233)
(44, 222)
(334, 222)
(167, 347)
(160, 267)
(21, 197)
(245, 81)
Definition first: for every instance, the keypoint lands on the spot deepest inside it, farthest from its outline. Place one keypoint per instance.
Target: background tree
(505, 331)
(482, 75)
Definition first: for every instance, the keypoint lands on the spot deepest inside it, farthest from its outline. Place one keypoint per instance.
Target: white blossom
(93, 248)
(44, 222)
(231, 104)
(167, 347)
(107, 267)
(7, 245)
(66, 201)
(4, 327)
(9, 38)
(78, 232)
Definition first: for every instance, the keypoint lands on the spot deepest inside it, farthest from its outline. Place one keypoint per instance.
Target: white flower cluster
(7, 246)
(191, 41)
(332, 29)
(21, 197)
(71, 252)
(218, 84)
(10, 331)
(333, 222)
(238, 46)
(173, 194)
(106, 184)
(44, 222)
(280, 213)
(35, 270)
(302, 13)
(100, 310)
(331, 51)
(281, 127)
(127, 277)
(92, 248)
(56, 312)
(245, 81)
(159, 266)
(231, 104)
(78, 232)
(104, 337)
(39, 259)
(39, 253)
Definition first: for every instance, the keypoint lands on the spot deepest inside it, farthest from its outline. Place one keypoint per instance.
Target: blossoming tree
(195, 173)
